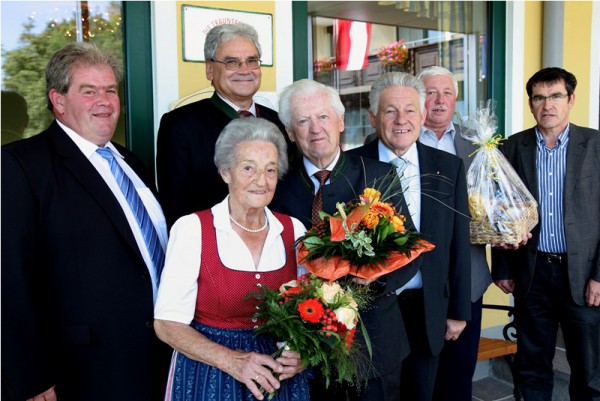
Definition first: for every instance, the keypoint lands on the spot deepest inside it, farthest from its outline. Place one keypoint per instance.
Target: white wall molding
(515, 54)
(594, 100)
(164, 57)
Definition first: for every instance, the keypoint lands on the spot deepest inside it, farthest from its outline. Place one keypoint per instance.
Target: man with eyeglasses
(555, 275)
(188, 179)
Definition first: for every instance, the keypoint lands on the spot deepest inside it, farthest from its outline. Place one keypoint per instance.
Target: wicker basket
(508, 232)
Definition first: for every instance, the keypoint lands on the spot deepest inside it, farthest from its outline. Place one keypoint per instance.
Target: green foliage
(331, 351)
(24, 67)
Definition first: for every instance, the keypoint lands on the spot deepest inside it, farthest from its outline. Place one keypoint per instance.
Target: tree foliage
(24, 67)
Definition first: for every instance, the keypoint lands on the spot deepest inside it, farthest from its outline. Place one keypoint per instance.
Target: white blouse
(178, 288)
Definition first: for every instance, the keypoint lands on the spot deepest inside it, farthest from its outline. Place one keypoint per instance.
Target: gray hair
(249, 129)
(436, 70)
(226, 32)
(307, 87)
(60, 68)
(394, 79)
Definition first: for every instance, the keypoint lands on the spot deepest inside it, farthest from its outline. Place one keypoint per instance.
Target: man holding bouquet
(313, 115)
(435, 303)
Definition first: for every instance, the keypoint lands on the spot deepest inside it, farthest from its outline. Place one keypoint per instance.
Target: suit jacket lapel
(430, 182)
(575, 156)
(464, 148)
(528, 156)
(91, 181)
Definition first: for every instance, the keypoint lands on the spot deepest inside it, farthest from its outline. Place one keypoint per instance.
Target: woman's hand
(254, 370)
(292, 364)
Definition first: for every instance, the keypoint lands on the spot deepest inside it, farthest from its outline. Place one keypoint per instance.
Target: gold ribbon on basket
(490, 144)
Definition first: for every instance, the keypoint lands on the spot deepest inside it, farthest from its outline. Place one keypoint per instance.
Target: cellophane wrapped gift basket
(502, 209)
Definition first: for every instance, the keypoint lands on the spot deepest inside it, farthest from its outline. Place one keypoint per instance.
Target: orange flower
(398, 223)
(383, 209)
(370, 195)
(311, 310)
(371, 219)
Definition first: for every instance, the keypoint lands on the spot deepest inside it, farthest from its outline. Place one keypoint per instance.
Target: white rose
(330, 290)
(347, 316)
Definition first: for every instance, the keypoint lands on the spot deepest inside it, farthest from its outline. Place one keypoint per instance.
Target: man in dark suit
(458, 358)
(188, 179)
(79, 273)
(435, 303)
(313, 116)
(555, 276)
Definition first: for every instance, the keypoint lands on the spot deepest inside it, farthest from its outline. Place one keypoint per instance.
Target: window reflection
(31, 33)
(404, 36)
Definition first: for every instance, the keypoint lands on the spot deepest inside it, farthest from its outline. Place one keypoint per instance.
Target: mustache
(439, 108)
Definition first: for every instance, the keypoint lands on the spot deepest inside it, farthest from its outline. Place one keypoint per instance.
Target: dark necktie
(244, 114)
(139, 210)
(321, 176)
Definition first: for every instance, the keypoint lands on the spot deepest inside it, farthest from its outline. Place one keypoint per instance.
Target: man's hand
(523, 242)
(48, 395)
(454, 328)
(592, 293)
(507, 286)
(363, 281)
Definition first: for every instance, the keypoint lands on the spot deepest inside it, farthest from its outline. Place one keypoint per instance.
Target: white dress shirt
(152, 206)
(251, 109)
(445, 143)
(311, 169)
(179, 281)
(411, 179)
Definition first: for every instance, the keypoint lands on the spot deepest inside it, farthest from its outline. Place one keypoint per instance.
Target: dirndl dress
(225, 317)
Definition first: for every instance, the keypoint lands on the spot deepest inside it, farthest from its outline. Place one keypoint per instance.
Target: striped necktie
(322, 176)
(244, 114)
(142, 217)
(401, 165)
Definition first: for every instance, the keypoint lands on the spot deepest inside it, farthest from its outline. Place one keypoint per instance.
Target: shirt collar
(251, 109)
(410, 156)
(560, 142)
(87, 148)
(450, 130)
(311, 168)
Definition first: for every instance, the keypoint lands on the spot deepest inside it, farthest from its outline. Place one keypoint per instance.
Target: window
(445, 33)
(31, 33)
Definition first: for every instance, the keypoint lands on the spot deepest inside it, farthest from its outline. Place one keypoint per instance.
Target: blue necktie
(139, 210)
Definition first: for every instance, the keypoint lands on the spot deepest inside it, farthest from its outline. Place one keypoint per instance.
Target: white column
(515, 55)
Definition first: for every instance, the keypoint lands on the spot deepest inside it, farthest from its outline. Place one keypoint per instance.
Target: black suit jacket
(188, 179)
(581, 211)
(446, 270)
(294, 196)
(77, 307)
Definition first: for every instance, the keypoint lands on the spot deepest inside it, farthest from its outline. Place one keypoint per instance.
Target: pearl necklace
(249, 229)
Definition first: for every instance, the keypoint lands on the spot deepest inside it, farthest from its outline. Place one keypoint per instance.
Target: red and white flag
(352, 49)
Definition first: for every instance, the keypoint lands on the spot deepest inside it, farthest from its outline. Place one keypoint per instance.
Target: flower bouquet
(366, 239)
(394, 54)
(318, 319)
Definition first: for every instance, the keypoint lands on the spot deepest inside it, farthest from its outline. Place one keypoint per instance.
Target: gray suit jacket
(480, 271)
(581, 211)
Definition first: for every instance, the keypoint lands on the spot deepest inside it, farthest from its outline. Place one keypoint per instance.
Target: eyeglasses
(235, 64)
(554, 98)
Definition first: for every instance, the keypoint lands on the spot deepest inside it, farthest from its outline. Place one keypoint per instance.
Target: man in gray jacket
(459, 357)
(555, 277)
